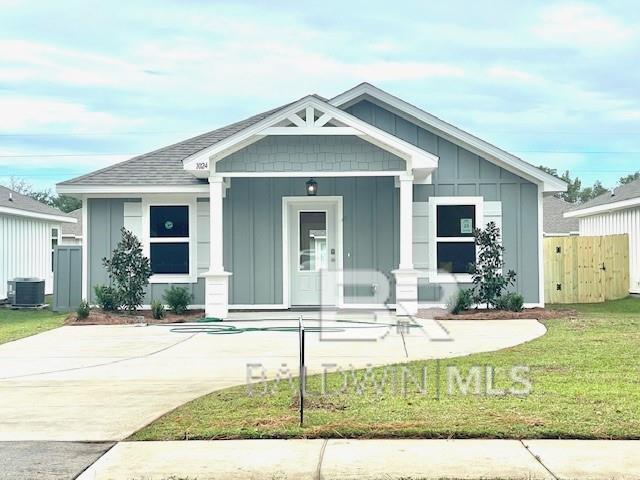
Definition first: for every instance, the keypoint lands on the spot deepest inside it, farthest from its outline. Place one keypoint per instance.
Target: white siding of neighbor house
(621, 221)
(25, 250)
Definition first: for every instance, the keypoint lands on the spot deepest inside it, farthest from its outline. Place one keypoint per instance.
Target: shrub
(157, 309)
(129, 271)
(83, 309)
(460, 301)
(514, 302)
(178, 299)
(107, 298)
(488, 279)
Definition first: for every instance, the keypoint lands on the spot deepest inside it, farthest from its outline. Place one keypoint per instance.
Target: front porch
(268, 254)
(275, 245)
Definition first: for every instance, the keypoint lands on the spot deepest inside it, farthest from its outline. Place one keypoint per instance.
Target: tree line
(576, 193)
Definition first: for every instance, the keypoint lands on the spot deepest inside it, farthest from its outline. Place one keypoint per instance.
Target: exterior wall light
(312, 187)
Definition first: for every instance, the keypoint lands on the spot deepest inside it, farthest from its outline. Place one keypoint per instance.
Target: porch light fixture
(312, 187)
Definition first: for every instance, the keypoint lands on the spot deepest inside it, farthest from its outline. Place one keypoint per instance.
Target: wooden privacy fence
(586, 269)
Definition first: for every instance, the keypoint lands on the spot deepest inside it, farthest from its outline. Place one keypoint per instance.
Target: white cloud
(583, 25)
(500, 72)
(32, 114)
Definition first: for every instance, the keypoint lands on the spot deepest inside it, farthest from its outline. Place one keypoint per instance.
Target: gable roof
(14, 203)
(73, 229)
(624, 196)
(553, 217)
(456, 135)
(164, 167)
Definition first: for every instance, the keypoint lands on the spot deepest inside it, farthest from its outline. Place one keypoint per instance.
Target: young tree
(129, 271)
(488, 280)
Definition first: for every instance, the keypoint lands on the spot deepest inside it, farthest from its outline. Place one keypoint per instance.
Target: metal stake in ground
(302, 376)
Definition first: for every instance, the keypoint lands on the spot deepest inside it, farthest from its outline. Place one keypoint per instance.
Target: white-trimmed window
(170, 239)
(453, 250)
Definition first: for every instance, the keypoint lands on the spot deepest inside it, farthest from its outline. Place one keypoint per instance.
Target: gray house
(359, 201)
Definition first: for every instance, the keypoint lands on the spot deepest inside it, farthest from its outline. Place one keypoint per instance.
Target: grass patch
(15, 324)
(586, 384)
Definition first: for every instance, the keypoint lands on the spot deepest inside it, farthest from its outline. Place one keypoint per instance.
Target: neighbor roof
(15, 203)
(553, 219)
(164, 166)
(73, 229)
(625, 196)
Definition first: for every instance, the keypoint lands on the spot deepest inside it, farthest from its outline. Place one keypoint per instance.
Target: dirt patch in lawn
(526, 314)
(98, 317)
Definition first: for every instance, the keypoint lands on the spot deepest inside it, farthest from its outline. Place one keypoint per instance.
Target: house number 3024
(202, 165)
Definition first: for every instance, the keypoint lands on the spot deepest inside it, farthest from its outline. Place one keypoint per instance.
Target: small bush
(178, 299)
(460, 301)
(83, 309)
(157, 309)
(107, 298)
(513, 302)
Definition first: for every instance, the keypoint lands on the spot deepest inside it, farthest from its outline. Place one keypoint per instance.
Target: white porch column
(406, 276)
(217, 280)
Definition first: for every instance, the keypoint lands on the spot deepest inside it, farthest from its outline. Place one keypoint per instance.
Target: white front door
(313, 253)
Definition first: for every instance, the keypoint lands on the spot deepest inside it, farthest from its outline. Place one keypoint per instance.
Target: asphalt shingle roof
(164, 166)
(11, 199)
(623, 192)
(553, 220)
(73, 228)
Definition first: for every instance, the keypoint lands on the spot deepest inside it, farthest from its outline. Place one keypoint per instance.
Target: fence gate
(586, 269)
(67, 277)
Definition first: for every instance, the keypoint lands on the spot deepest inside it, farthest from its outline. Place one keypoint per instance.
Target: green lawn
(586, 384)
(15, 324)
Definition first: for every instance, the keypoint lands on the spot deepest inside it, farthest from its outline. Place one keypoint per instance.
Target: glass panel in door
(313, 242)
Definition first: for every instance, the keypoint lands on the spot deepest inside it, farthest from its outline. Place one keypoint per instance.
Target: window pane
(456, 220)
(313, 241)
(169, 221)
(170, 258)
(456, 257)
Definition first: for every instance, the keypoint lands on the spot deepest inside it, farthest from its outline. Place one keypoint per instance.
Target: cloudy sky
(84, 84)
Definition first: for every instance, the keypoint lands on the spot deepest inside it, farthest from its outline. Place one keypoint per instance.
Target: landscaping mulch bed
(526, 314)
(98, 317)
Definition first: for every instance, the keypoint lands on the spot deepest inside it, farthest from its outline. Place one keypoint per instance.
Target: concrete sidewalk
(370, 459)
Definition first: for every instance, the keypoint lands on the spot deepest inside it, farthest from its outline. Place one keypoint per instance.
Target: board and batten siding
(253, 231)
(616, 222)
(106, 216)
(463, 173)
(25, 250)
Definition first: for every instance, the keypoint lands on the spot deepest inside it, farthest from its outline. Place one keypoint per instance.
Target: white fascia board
(40, 216)
(495, 154)
(133, 189)
(419, 157)
(607, 207)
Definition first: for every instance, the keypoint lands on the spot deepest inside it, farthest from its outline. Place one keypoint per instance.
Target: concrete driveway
(102, 383)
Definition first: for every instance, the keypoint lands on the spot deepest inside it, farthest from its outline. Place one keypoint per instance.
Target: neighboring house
(614, 213)
(28, 232)
(354, 190)
(555, 225)
(71, 233)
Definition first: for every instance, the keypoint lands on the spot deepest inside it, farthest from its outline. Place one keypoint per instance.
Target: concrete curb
(370, 459)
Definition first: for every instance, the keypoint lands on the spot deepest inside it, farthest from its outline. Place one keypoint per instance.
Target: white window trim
(190, 202)
(445, 277)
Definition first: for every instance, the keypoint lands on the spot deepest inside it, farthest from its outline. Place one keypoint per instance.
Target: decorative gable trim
(310, 116)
